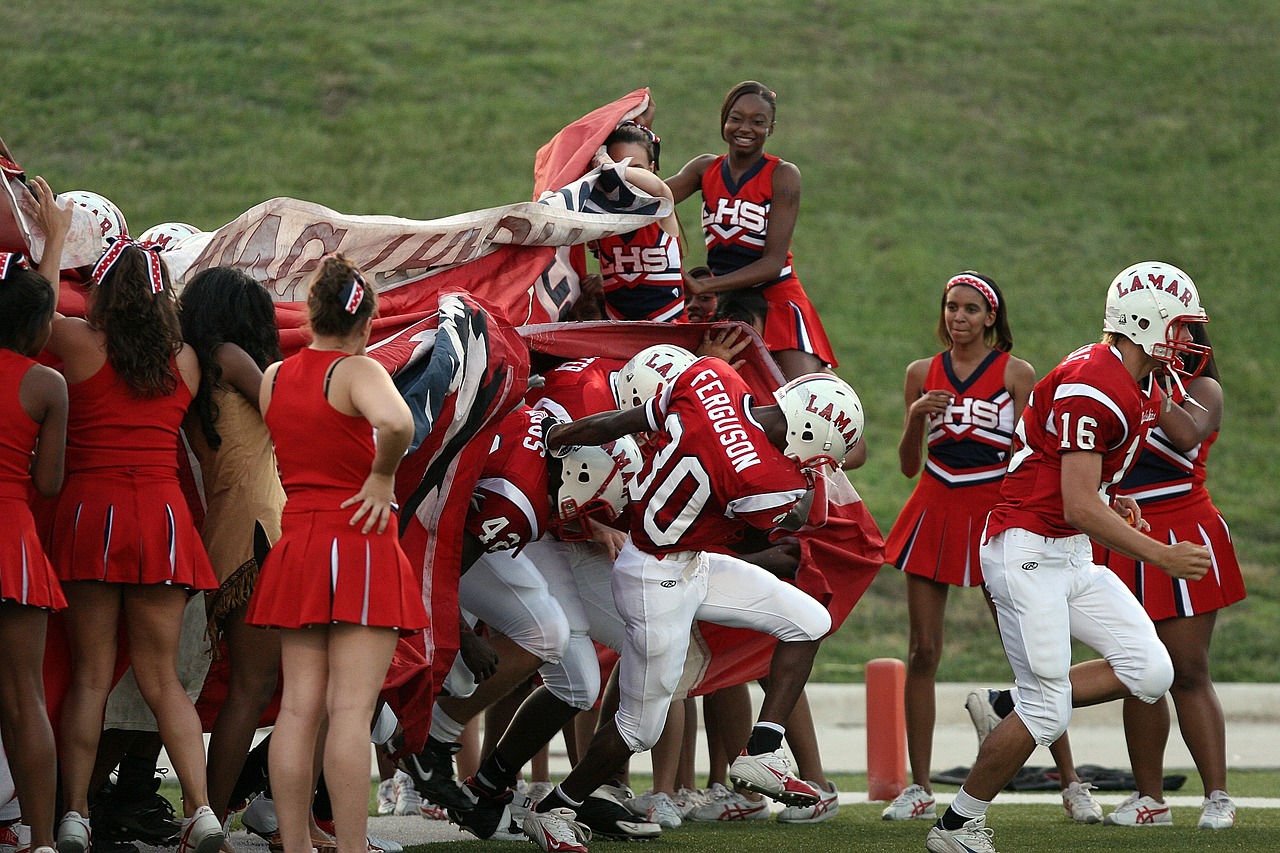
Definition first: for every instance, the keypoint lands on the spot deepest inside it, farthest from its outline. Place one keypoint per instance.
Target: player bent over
(1083, 427)
(719, 462)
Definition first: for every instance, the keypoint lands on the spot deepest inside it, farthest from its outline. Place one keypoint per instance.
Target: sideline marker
(886, 728)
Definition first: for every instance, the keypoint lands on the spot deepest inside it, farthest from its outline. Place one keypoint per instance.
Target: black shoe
(134, 813)
(487, 815)
(605, 817)
(432, 773)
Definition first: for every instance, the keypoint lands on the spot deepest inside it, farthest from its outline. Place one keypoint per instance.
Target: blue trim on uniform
(729, 184)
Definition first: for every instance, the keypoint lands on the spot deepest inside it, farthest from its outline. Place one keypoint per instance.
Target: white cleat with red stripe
(1137, 810)
(769, 773)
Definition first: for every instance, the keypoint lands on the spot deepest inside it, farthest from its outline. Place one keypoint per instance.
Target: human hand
(53, 219)
(377, 501)
(1186, 560)
(611, 539)
(725, 343)
(1128, 509)
(477, 654)
(931, 403)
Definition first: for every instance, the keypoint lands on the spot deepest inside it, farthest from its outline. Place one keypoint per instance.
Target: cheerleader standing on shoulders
(750, 201)
(337, 581)
(124, 544)
(33, 425)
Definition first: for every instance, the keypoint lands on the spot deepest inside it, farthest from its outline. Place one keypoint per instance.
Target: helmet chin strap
(1171, 378)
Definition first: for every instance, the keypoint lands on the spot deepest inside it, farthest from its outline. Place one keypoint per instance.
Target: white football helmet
(592, 483)
(167, 234)
(109, 218)
(648, 372)
(1150, 303)
(824, 419)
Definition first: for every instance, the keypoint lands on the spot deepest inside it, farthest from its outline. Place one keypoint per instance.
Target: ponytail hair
(135, 309)
(339, 298)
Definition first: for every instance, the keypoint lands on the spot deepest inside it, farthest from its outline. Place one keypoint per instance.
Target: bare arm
(783, 212)
(1085, 510)
(920, 407)
(369, 389)
(43, 396)
(240, 371)
(1189, 424)
(596, 429)
(55, 221)
(1019, 379)
(650, 183)
(688, 180)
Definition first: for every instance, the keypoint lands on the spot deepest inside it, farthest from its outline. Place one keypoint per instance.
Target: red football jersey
(969, 442)
(712, 469)
(577, 388)
(510, 507)
(641, 272)
(735, 216)
(1089, 403)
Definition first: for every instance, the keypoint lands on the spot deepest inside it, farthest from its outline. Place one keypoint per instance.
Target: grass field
(1046, 142)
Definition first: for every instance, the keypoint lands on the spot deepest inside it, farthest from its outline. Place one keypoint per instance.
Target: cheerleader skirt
(937, 534)
(324, 570)
(1196, 520)
(26, 576)
(128, 526)
(793, 323)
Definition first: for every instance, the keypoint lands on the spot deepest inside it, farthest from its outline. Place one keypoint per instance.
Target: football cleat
(769, 773)
(1137, 810)
(973, 837)
(557, 831)
(914, 803)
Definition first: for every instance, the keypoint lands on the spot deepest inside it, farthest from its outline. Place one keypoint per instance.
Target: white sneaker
(984, 716)
(824, 809)
(724, 804)
(1137, 810)
(914, 803)
(386, 845)
(259, 817)
(16, 838)
(1080, 804)
(73, 833)
(408, 800)
(1218, 812)
(769, 773)
(387, 796)
(656, 807)
(619, 792)
(688, 799)
(201, 833)
(557, 831)
(537, 790)
(973, 837)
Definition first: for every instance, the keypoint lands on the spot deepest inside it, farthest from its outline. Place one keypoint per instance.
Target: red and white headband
(353, 294)
(118, 245)
(12, 260)
(988, 292)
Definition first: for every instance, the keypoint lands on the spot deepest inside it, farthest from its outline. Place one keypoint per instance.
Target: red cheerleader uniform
(323, 569)
(122, 516)
(1169, 485)
(25, 573)
(735, 221)
(642, 278)
(938, 532)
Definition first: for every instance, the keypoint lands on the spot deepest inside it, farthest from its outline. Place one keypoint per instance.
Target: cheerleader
(750, 201)
(124, 544)
(33, 423)
(337, 581)
(1168, 481)
(961, 405)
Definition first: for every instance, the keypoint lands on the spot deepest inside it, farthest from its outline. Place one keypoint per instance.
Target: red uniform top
(109, 427)
(712, 470)
(1089, 402)
(735, 216)
(510, 507)
(324, 455)
(642, 278)
(18, 432)
(969, 442)
(578, 388)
